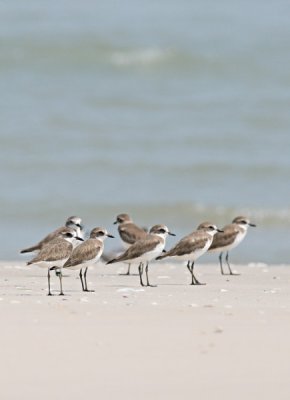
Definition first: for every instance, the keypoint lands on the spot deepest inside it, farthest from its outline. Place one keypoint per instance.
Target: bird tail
(29, 249)
(111, 261)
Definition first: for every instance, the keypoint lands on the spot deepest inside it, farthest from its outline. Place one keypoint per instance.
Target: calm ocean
(173, 111)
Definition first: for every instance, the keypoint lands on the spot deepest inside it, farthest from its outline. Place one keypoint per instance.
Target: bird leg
(147, 279)
(221, 263)
(48, 281)
(60, 283)
(194, 281)
(140, 269)
(81, 278)
(128, 271)
(228, 264)
(85, 279)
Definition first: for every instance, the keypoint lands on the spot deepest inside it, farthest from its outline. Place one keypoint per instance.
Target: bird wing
(57, 249)
(187, 245)
(222, 239)
(82, 253)
(44, 241)
(130, 233)
(51, 236)
(139, 248)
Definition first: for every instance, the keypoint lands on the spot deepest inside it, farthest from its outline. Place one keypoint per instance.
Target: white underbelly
(195, 254)
(50, 264)
(239, 238)
(150, 255)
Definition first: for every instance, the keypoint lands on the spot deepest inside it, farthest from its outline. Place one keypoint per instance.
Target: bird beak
(115, 222)
(110, 236)
(171, 234)
(253, 225)
(79, 238)
(219, 230)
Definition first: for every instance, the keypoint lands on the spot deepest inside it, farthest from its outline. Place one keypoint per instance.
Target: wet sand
(229, 339)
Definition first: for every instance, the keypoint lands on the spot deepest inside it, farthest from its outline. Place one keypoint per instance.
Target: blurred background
(172, 111)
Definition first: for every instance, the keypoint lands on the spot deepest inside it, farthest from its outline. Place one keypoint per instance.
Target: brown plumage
(72, 222)
(57, 249)
(138, 249)
(187, 245)
(193, 246)
(145, 250)
(55, 253)
(233, 234)
(222, 239)
(129, 232)
(87, 253)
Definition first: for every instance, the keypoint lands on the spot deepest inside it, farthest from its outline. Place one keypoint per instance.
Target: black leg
(85, 279)
(48, 281)
(188, 266)
(190, 269)
(147, 279)
(228, 264)
(140, 269)
(194, 280)
(221, 262)
(60, 283)
(81, 278)
(128, 271)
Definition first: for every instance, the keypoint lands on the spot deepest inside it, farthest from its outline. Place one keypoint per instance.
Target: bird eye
(101, 233)
(69, 235)
(162, 230)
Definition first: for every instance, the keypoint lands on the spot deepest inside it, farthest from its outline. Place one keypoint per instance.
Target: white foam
(126, 290)
(139, 57)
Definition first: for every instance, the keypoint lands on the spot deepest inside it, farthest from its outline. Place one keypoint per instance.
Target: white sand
(229, 339)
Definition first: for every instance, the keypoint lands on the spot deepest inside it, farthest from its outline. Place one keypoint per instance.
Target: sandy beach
(228, 339)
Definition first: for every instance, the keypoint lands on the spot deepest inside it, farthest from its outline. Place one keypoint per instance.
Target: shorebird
(193, 246)
(55, 253)
(71, 222)
(87, 253)
(145, 250)
(230, 238)
(129, 232)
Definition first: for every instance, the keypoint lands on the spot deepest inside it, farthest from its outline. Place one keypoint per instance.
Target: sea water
(175, 112)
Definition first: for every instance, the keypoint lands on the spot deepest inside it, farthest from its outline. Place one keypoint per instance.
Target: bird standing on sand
(71, 222)
(231, 237)
(145, 250)
(193, 246)
(55, 253)
(129, 232)
(87, 253)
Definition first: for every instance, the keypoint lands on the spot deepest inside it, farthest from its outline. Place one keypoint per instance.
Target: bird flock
(67, 248)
